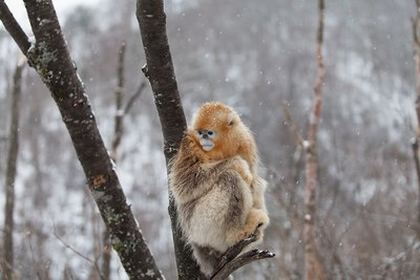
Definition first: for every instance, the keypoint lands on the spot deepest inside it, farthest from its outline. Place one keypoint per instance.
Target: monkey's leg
(258, 188)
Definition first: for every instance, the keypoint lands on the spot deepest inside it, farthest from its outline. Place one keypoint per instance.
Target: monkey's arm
(242, 167)
(189, 144)
(187, 178)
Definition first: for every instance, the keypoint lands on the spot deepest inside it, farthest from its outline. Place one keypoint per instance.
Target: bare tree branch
(160, 72)
(13, 27)
(233, 252)
(117, 138)
(230, 261)
(134, 97)
(313, 265)
(119, 92)
(246, 258)
(119, 99)
(51, 59)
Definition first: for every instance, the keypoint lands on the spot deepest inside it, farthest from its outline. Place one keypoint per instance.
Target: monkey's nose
(205, 136)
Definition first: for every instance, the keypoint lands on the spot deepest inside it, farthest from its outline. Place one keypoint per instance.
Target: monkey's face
(206, 139)
(217, 129)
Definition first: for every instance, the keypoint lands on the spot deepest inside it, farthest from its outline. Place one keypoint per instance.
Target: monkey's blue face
(206, 138)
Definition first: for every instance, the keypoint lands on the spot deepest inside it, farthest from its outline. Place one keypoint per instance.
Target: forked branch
(231, 260)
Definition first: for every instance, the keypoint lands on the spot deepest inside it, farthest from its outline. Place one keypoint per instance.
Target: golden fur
(233, 138)
(218, 193)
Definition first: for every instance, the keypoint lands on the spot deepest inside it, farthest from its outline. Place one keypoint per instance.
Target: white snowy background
(255, 56)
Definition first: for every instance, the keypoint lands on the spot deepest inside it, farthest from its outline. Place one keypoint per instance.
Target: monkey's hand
(190, 144)
(242, 167)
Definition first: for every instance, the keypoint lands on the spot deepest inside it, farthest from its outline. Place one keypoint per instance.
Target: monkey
(213, 180)
(227, 137)
(214, 203)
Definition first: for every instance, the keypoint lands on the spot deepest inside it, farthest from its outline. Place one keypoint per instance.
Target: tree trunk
(160, 72)
(313, 265)
(11, 173)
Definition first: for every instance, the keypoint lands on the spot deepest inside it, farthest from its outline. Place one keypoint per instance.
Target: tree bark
(160, 72)
(51, 59)
(11, 173)
(313, 265)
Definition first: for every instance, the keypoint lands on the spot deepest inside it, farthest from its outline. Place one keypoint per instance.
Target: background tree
(12, 156)
(313, 265)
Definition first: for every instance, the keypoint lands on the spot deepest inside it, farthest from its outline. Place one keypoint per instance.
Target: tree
(12, 159)
(314, 269)
(122, 108)
(313, 265)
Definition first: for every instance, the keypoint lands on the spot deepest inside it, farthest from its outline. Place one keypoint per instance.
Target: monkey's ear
(231, 120)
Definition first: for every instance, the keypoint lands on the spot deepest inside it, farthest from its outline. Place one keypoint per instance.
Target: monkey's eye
(210, 133)
(230, 123)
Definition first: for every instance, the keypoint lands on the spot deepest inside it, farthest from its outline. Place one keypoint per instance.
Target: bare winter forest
(263, 59)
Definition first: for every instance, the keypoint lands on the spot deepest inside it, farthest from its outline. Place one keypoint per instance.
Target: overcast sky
(62, 7)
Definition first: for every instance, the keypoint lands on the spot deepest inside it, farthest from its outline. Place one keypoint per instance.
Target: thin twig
(28, 239)
(119, 95)
(68, 246)
(135, 96)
